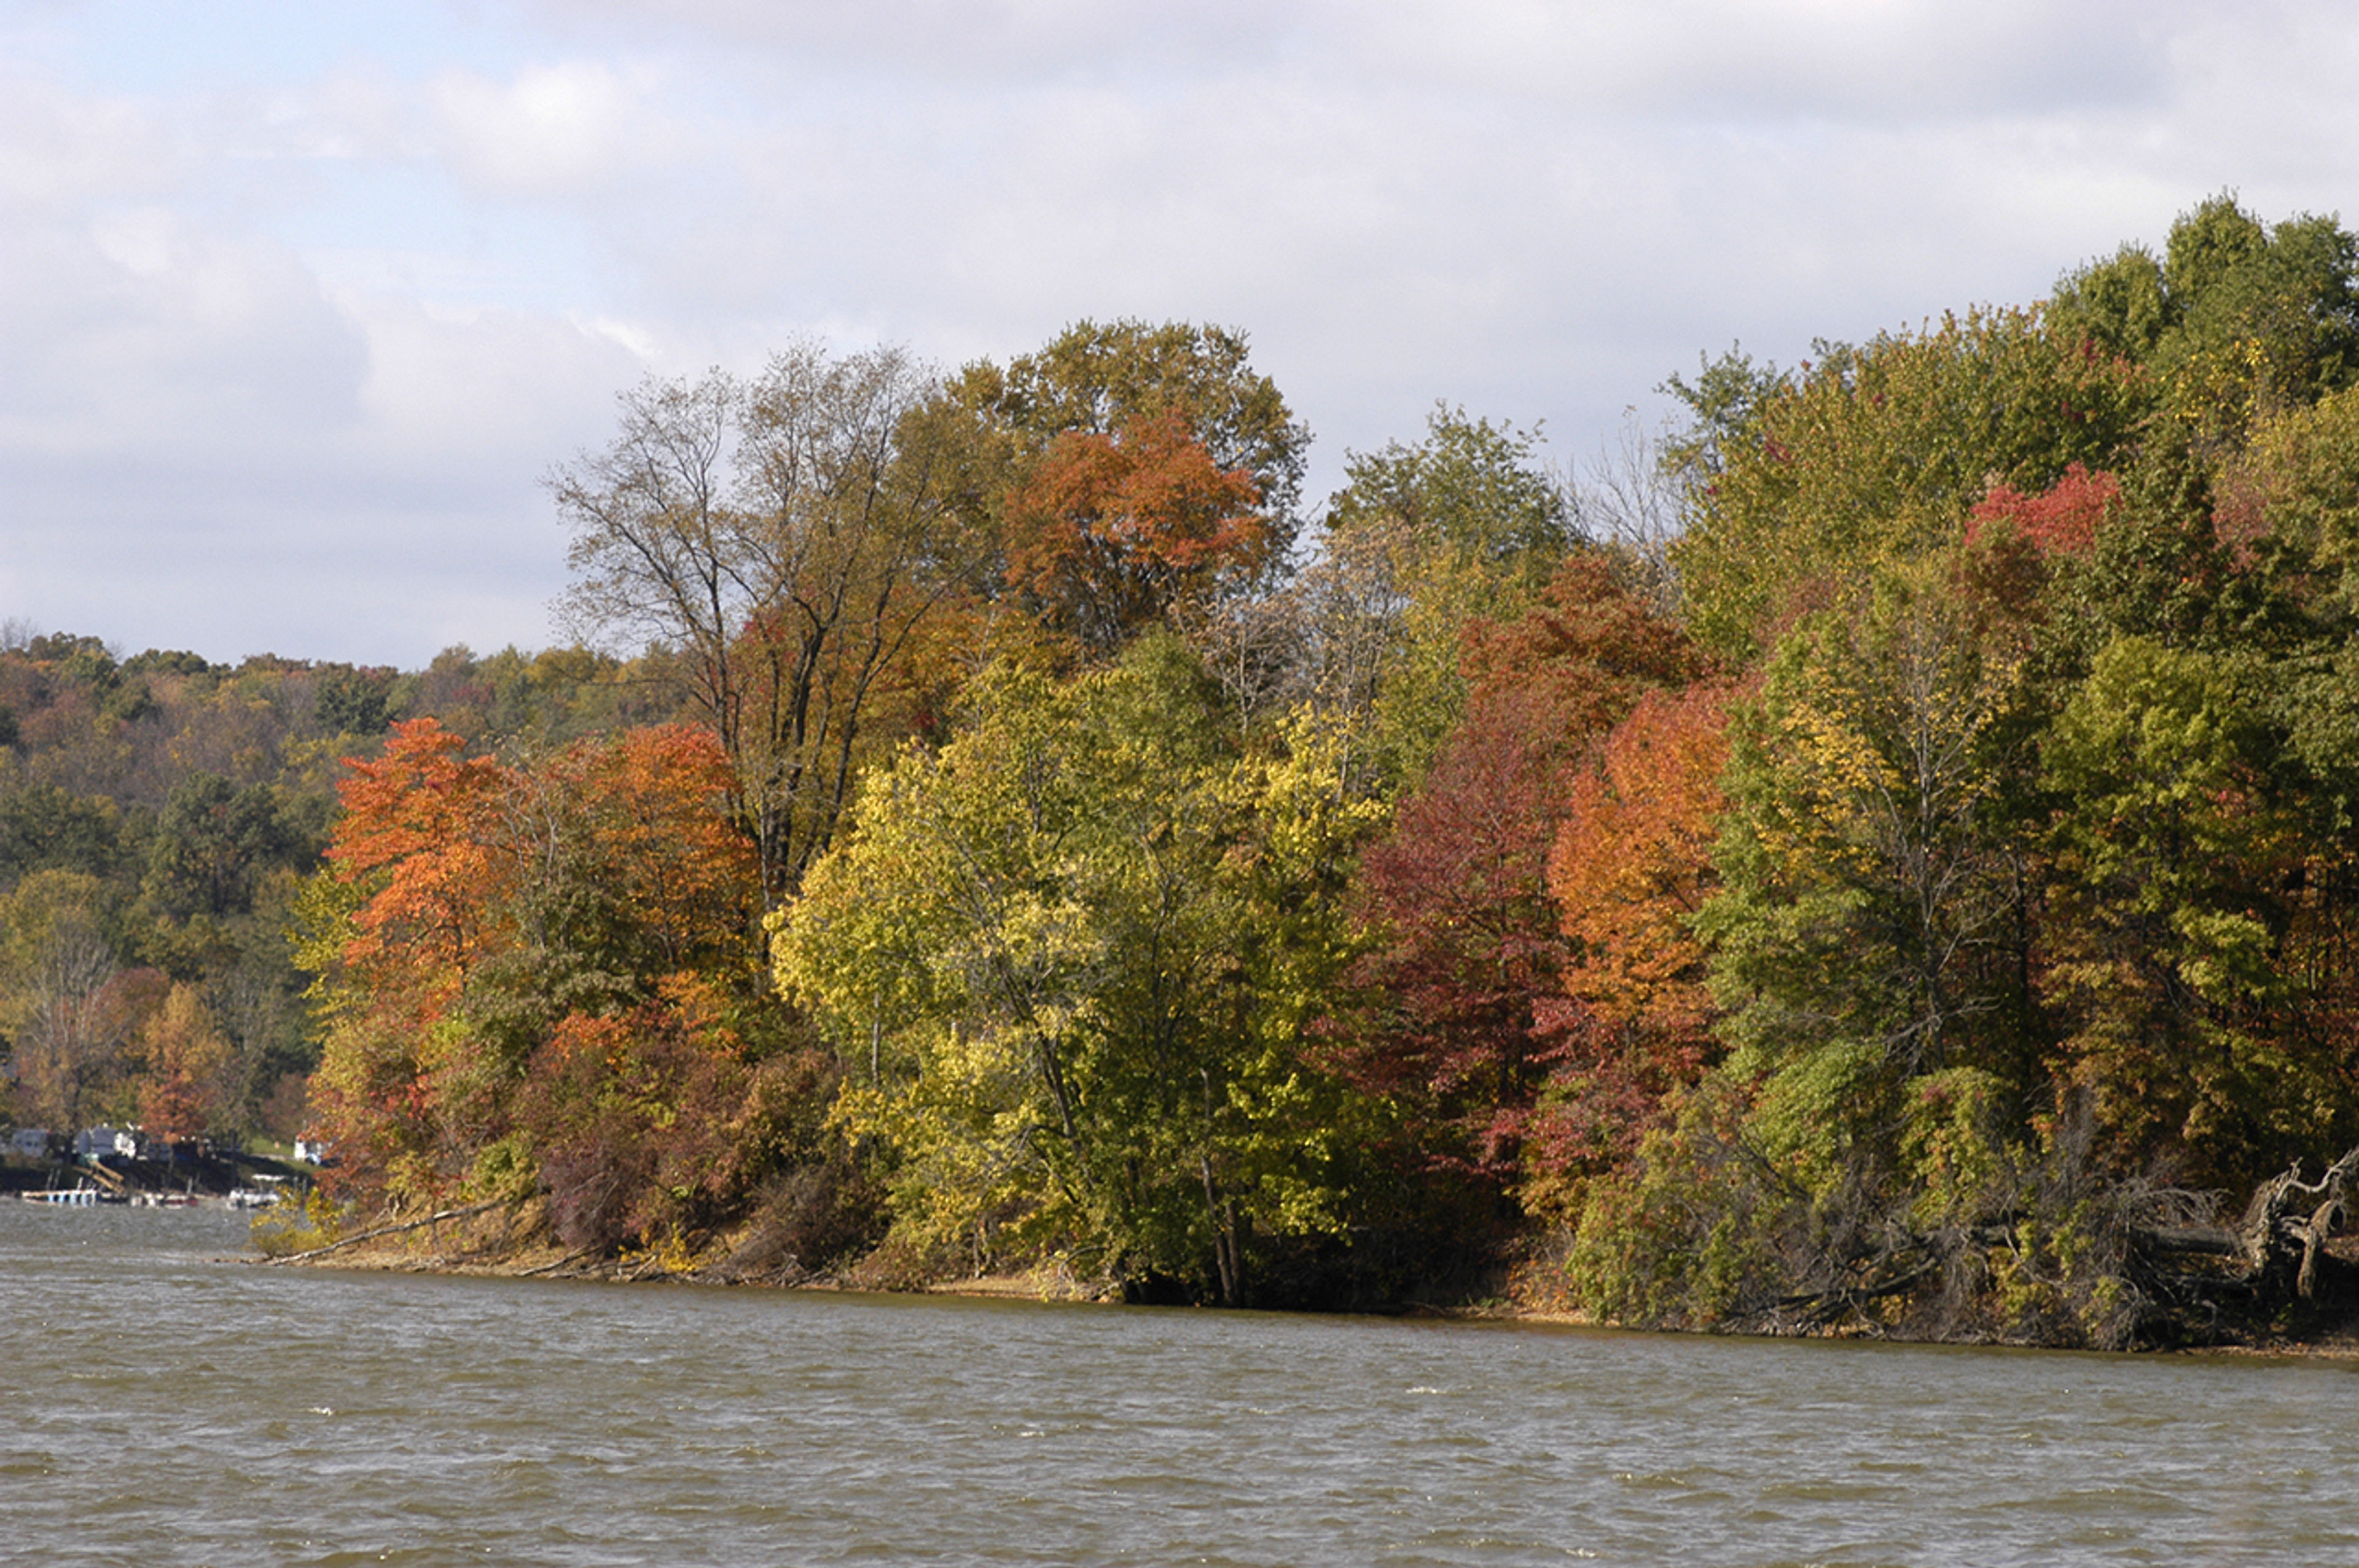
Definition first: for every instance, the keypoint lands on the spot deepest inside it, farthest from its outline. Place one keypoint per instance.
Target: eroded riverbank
(504, 1241)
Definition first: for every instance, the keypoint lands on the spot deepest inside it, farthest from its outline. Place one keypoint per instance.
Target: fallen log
(2193, 1242)
(573, 1257)
(383, 1230)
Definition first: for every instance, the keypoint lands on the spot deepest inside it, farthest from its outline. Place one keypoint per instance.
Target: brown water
(158, 1405)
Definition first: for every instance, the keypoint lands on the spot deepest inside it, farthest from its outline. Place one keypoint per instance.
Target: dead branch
(343, 1243)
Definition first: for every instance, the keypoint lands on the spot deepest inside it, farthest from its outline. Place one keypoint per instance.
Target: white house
(97, 1143)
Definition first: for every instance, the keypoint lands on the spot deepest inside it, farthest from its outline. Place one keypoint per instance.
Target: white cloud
(1814, 61)
(139, 331)
(305, 331)
(487, 396)
(548, 131)
(204, 444)
(993, 43)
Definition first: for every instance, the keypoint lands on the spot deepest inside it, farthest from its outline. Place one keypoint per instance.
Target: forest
(1876, 855)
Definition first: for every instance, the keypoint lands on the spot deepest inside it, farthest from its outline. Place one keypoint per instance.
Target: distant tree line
(159, 818)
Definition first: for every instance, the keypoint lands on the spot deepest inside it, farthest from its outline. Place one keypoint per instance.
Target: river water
(160, 1404)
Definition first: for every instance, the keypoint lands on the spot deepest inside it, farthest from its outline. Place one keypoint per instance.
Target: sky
(301, 303)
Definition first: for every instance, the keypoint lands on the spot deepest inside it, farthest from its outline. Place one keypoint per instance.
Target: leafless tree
(787, 537)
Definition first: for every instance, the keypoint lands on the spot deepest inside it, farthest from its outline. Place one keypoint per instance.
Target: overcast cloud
(298, 302)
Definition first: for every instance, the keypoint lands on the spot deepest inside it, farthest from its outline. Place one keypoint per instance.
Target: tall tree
(2179, 865)
(1463, 526)
(1066, 993)
(1869, 925)
(1631, 871)
(1098, 378)
(1136, 474)
(2239, 319)
(791, 539)
(1111, 533)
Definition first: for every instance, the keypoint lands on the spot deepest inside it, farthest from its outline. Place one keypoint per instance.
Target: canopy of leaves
(1874, 454)
(1066, 960)
(1099, 378)
(1111, 533)
(482, 921)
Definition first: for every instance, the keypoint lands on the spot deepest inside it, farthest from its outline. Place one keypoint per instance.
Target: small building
(312, 1151)
(30, 1142)
(128, 1143)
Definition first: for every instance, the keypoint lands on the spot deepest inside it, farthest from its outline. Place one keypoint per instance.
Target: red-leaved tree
(1465, 985)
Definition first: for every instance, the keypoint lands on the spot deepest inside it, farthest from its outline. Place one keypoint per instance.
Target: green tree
(1465, 525)
(1869, 878)
(2239, 318)
(2174, 856)
(1064, 959)
(45, 828)
(212, 842)
(1875, 453)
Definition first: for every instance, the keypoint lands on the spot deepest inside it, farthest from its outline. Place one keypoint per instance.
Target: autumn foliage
(2061, 520)
(1889, 896)
(1630, 870)
(1469, 1010)
(1113, 532)
(529, 973)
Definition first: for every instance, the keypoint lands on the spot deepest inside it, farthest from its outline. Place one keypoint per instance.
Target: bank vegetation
(1875, 856)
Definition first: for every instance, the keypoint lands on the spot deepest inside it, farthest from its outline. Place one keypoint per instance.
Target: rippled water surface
(164, 1406)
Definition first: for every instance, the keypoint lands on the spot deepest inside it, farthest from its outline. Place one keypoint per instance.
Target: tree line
(1879, 855)
(160, 818)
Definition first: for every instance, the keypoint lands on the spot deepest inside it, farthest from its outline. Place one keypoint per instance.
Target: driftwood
(339, 1244)
(1821, 1308)
(2186, 1241)
(2189, 1279)
(574, 1257)
(2290, 1220)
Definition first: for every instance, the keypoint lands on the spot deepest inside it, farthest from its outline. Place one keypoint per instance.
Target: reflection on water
(166, 1407)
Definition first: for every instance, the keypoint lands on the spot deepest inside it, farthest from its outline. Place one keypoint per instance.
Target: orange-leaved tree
(1630, 870)
(391, 925)
(1111, 531)
(480, 920)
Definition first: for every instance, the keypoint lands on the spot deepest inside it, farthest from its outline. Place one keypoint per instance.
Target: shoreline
(395, 1254)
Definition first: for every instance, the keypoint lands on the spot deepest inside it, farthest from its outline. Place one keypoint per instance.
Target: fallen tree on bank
(2286, 1230)
(2132, 1264)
